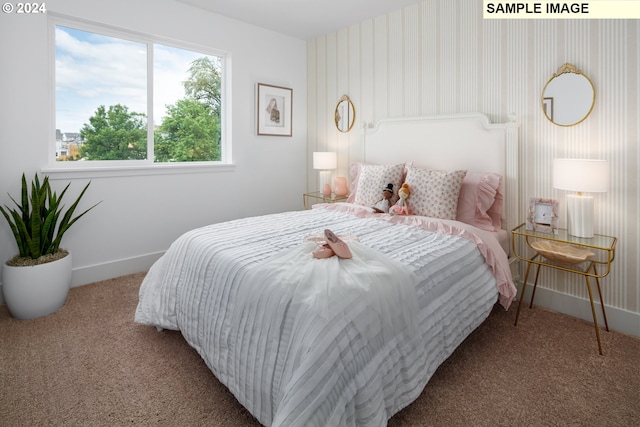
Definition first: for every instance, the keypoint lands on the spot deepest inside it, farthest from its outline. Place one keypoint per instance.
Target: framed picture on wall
(274, 110)
(542, 215)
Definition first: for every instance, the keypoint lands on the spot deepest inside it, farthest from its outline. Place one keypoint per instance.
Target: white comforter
(307, 342)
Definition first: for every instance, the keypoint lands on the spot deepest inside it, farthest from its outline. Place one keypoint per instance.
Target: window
(123, 98)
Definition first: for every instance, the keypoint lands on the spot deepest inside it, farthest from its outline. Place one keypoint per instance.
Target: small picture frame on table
(542, 215)
(274, 110)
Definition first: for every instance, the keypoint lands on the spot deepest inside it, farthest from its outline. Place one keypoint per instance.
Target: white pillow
(434, 193)
(372, 179)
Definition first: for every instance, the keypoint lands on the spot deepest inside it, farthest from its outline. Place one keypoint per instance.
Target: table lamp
(325, 161)
(580, 175)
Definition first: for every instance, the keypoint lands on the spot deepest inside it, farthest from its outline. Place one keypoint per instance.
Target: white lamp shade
(581, 175)
(325, 160)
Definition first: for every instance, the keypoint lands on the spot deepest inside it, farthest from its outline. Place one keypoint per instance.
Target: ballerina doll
(383, 205)
(402, 205)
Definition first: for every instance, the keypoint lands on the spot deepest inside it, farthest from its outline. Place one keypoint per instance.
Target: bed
(303, 341)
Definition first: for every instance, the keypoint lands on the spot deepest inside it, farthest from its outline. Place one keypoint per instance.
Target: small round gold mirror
(345, 114)
(568, 97)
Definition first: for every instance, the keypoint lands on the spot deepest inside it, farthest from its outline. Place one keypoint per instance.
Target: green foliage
(191, 130)
(204, 83)
(38, 223)
(115, 134)
(189, 133)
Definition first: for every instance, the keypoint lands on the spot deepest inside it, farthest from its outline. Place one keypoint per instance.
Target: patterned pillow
(434, 193)
(373, 178)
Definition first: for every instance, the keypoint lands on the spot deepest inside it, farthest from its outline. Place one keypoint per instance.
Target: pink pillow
(495, 211)
(480, 201)
(354, 172)
(434, 193)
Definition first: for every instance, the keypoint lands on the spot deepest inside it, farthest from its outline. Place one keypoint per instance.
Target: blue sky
(94, 70)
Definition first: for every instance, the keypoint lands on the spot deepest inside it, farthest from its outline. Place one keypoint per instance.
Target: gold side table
(564, 252)
(321, 198)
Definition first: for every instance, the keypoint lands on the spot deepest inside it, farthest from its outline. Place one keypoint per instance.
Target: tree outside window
(102, 108)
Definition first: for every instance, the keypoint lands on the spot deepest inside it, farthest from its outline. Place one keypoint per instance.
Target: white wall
(141, 215)
(441, 56)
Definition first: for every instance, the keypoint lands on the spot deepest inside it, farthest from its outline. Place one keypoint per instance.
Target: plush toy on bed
(402, 205)
(383, 205)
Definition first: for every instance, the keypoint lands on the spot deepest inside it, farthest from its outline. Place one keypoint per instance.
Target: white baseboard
(108, 270)
(618, 319)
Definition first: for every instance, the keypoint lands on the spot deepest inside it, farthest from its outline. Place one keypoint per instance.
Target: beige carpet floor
(89, 365)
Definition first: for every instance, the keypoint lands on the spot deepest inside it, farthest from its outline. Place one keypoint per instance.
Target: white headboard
(447, 142)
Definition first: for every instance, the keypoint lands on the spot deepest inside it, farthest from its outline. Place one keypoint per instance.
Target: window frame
(104, 168)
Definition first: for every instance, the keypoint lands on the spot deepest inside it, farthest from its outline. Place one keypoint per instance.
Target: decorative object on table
(325, 161)
(542, 215)
(580, 175)
(340, 187)
(562, 252)
(37, 280)
(274, 110)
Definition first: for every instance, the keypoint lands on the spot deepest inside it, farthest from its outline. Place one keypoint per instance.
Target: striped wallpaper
(441, 56)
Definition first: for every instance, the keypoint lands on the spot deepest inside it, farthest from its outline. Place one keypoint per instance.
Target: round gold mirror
(345, 114)
(568, 97)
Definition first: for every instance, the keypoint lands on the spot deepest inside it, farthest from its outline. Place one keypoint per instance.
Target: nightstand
(588, 257)
(318, 197)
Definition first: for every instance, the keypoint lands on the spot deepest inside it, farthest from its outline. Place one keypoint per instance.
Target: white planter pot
(38, 290)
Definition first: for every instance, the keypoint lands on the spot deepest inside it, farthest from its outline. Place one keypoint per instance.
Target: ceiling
(304, 19)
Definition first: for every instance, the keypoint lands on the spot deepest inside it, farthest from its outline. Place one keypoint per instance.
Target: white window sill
(107, 171)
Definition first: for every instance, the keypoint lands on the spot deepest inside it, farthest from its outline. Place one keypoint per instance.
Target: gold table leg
(593, 312)
(604, 315)
(524, 286)
(535, 286)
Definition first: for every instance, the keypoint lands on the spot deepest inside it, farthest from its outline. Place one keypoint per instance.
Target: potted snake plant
(37, 280)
